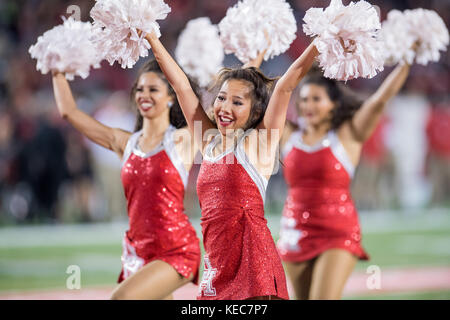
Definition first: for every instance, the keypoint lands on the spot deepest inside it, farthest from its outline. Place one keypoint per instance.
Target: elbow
(284, 88)
(64, 115)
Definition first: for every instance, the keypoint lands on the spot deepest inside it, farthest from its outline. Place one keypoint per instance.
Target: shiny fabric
(319, 213)
(159, 228)
(241, 260)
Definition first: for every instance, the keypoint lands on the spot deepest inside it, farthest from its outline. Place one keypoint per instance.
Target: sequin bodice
(318, 175)
(228, 183)
(319, 212)
(154, 188)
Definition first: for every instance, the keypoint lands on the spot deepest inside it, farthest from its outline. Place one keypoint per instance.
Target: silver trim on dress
(330, 140)
(239, 152)
(166, 144)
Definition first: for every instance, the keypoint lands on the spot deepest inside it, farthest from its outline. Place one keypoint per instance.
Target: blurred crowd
(50, 173)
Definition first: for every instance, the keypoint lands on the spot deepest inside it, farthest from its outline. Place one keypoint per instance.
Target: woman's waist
(319, 195)
(320, 208)
(230, 228)
(159, 198)
(160, 237)
(225, 211)
(164, 209)
(159, 224)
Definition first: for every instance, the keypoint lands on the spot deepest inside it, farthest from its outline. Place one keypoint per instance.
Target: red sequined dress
(241, 260)
(319, 213)
(159, 229)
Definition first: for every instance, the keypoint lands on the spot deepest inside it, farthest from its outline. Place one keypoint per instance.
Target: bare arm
(257, 61)
(366, 118)
(110, 138)
(275, 116)
(289, 128)
(189, 102)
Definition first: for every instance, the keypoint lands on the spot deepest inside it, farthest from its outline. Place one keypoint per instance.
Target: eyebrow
(148, 86)
(223, 92)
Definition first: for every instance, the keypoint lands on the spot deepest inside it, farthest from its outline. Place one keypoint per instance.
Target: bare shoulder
(289, 129)
(250, 139)
(185, 146)
(346, 133)
(184, 141)
(120, 140)
(347, 138)
(121, 136)
(181, 135)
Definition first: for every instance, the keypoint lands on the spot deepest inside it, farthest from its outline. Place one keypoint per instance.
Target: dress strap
(340, 153)
(209, 155)
(260, 181)
(132, 140)
(175, 158)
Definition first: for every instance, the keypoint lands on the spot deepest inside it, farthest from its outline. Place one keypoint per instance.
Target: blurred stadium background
(61, 199)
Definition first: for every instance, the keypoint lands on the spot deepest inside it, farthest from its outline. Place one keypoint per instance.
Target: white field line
(112, 233)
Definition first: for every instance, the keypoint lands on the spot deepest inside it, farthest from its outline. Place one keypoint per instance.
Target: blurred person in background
(6, 147)
(438, 162)
(320, 238)
(373, 185)
(408, 114)
(36, 171)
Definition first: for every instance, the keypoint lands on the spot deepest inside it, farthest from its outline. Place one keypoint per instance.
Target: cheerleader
(239, 147)
(160, 249)
(320, 238)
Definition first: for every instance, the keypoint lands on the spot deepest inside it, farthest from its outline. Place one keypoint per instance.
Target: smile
(225, 121)
(145, 105)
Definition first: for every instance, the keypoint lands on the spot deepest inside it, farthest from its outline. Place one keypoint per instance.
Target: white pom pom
(120, 21)
(428, 28)
(199, 51)
(397, 39)
(402, 30)
(67, 48)
(356, 25)
(244, 28)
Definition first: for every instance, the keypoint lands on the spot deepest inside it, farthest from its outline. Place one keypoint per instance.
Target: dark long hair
(346, 102)
(261, 90)
(176, 116)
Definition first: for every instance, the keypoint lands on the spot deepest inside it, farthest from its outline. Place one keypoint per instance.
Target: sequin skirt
(241, 259)
(311, 227)
(184, 258)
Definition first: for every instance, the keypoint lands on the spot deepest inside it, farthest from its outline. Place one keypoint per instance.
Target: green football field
(37, 257)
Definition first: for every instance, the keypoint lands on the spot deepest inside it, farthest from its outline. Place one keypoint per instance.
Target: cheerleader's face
(152, 95)
(315, 105)
(232, 105)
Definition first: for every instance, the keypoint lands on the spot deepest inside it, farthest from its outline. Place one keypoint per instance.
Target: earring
(170, 104)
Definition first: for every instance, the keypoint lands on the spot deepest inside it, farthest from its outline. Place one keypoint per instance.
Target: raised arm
(275, 116)
(189, 102)
(366, 118)
(110, 138)
(257, 61)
